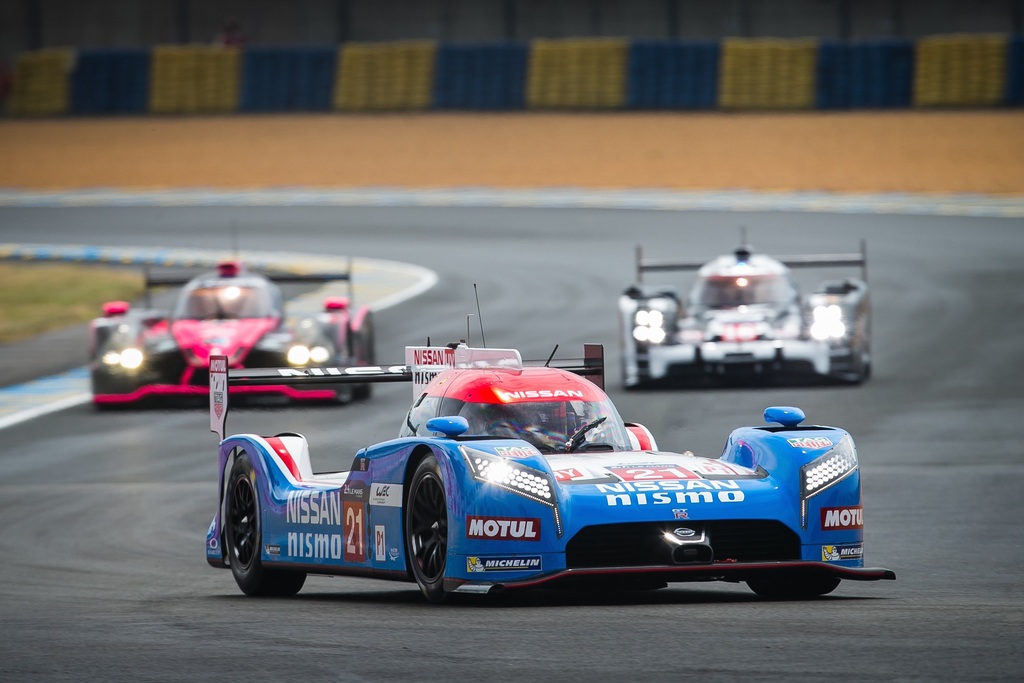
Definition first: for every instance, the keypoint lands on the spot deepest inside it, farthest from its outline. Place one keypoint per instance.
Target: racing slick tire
(366, 355)
(243, 538)
(426, 529)
(799, 588)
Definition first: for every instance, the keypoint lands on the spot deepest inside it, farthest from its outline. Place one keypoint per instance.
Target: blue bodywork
(782, 501)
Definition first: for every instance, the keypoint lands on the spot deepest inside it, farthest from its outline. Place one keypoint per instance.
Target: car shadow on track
(548, 598)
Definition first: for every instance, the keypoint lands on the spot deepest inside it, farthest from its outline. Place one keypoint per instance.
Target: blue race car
(506, 475)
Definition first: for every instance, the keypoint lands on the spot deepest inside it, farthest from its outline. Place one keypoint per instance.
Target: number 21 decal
(355, 536)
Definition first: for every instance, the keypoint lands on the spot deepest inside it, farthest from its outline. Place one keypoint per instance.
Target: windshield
(551, 425)
(225, 303)
(727, 292)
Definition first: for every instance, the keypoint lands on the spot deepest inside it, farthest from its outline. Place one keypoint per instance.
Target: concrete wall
(31, 24)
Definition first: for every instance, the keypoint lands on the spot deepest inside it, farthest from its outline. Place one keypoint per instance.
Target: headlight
(649, 326)
(131, 358)
(513, 476)
(298, 355)
(827, 471)
(319, 354)
(828, 323)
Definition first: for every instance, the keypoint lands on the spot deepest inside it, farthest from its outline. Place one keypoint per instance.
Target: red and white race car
(140, 354)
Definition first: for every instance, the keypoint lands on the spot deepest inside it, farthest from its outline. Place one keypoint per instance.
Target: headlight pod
(129, 359)
(826, 471)
(649, 326)
(301, 354)
(514, 477)
(828, 323)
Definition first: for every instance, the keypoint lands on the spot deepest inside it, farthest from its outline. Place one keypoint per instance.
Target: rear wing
(651, 265)
(423, 363)
(234, 268)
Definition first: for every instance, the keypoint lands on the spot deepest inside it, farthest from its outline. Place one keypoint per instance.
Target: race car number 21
(355, 536)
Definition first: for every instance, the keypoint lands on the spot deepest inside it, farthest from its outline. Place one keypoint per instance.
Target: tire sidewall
(427, 469)
(248, 577)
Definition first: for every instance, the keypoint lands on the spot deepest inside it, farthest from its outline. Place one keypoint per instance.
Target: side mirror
(449, 426)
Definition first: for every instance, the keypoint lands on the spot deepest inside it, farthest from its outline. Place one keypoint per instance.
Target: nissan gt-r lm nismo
(142, 354)
(506, 475)
(744, 317)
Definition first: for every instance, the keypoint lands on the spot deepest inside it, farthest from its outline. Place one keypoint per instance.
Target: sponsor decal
(509, 396)
(516, 451)
(503, 528)
(740, 331)
(387, 495)
(361, 464)
(503, 563)
(355, 490)
(218, 393)
(678, 513)
(393, 554)
(379, 542)
(717, 468)
(668, 492)
(313, 507)
(270, 549)
(338, 372)
(810, 442)
(835, 553)
(355, 531)
(651, 472)
(842, 518)
(426, 363)
(569, 474)
(314, 546)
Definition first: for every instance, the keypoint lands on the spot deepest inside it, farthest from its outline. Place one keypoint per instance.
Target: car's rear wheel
(798, 588)
(426, 529)
(243, 538)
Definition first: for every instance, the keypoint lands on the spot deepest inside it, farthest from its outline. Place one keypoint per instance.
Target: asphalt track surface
(104, 515)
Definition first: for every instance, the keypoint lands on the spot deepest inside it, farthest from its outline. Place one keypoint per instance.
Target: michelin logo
(502, 564)
(837, 553)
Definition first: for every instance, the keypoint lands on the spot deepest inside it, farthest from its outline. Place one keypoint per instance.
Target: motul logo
(503, 528)
(842, 518)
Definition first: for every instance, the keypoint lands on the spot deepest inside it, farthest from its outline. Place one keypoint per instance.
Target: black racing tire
(426, 529)
(366, 355)
(800, 588)
(243, 538)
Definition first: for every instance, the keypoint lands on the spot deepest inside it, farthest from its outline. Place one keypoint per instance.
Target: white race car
(745, 317)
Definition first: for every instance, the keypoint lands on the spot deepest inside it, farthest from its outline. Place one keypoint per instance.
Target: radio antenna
(479, 317)
(553, 352)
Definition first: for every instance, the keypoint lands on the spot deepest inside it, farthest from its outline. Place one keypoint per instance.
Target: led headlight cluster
(513, 476)
(302, 355)
(828, 323)
(827, 471)
(510, 475)
(129, 359)
(649, 326)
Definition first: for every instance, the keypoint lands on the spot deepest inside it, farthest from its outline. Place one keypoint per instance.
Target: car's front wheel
(426, 529)
(243, 538)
